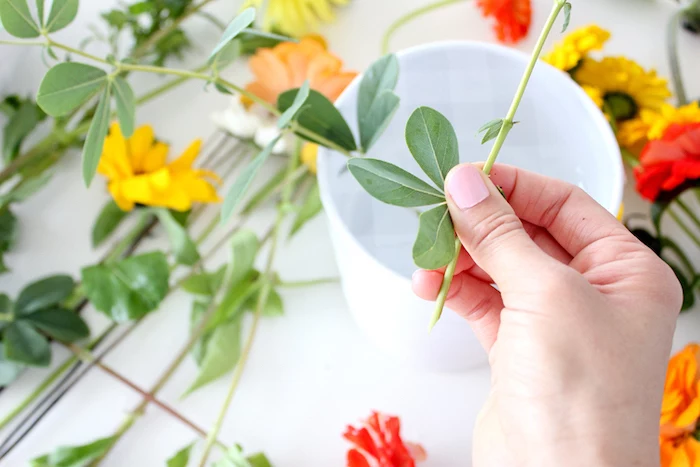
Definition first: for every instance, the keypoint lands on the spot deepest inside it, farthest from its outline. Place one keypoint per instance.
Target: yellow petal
(185, 161)
(114, 162)
(139, 145)
(156, 157)
(116, 190)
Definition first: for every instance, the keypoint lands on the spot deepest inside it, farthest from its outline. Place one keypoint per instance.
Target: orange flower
(513, 17)
(287, 65)
(680, 452)
(379, 443)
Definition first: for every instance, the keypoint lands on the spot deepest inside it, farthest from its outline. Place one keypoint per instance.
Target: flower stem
(309, 283)
(445, 287)
(674, 63)
(688, 211)
(51, 43)
(145, 219)
(684, 227)
(410, 16)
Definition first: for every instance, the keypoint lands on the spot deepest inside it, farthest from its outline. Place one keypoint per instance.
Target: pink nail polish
(466, 187)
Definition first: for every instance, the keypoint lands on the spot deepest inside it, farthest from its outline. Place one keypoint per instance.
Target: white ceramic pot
(561, 134)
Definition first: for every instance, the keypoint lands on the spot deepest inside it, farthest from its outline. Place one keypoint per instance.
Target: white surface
(312, 371)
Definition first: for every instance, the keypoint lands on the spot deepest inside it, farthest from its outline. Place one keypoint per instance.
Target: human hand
(578, 332)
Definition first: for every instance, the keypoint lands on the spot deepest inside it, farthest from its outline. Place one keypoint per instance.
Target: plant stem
(145, 219)
(688, 211)
(410, 16)
(28, 157)
(309, 283)
(51, 43)
(673, 60)
(445, 287)
(684, 227)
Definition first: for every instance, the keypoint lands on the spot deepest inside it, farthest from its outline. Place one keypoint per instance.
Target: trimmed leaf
(68, 85)
(23, 344)
(433, 142)
(17, 19)
(320, 117)
(242, 183)
(309, 209)
(20, 125)
(239, 23)
(126, 106)
(109, 219)
(74, 456)
(9, 371)
(492, 129)
(206, 283)
(434, 246)
(393, 185)
(567, 16)
(95, 140)
(62, 13)
(182, 457)
(228, 54)
(128, 289)
(183, 246)
(376, 101)
(299, 100)
(43, 294)
(61, 324)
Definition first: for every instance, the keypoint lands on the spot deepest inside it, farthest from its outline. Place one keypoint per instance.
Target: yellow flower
(309, 154)
(137, 172)
(627, 88)
(296, 17)
(651, 125)
(568, 53)
(632, 135)
(595, 94)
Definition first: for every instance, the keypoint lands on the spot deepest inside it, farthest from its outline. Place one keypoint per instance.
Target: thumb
(489, 229)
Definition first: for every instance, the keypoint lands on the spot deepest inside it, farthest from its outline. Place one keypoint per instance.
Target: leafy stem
(674, 62)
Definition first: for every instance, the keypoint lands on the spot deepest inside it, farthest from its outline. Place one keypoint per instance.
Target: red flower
(513, 17)
(379, 444)
(667, 163)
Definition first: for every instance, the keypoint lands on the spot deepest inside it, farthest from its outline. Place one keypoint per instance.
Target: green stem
(27, 158)
(445, 287)
(23, 43)
(684, 227)
(673, 60)
(410, 16)
(51, 43)
(167, 87)
(116, 252)
(688, 211)
(309, 283)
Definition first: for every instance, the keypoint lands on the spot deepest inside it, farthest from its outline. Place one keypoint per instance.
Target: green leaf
(183, 246)
(244, 249)
(61, 324)
(434, 246)
(44, 293)
(253, 39)
(8, 233)
(23, 344)
(67, 86)
(95, 140)
(128, 289)
(126, 106)
(242, 183)
(266, 190)
(239, 23)
(226, 56)
(321, 117)
(309, 209)
(220, 354)
(206, 283)
(74, 456)
(258, 460)
(274, 306)
(182, 457)
(567, 16)
(62, 13)
(376, 101)
(40, 11)
(19, 126)
(26, 188)
(5, 305)
(17, 19)
(235, 300)
(299, 100)
(492, 129)
(9, 371)
(433, 142)
(109, 219)
(393, 185)
(233, 458)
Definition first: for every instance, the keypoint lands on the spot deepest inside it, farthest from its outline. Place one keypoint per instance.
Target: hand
(578, 336)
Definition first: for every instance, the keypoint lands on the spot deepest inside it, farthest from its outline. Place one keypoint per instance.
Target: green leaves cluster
(74, 456)
(233, 457)
(18, 20)
(377, 102)
(36, 314)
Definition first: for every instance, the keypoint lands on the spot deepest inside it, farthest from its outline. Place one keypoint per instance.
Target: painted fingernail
(466, 187)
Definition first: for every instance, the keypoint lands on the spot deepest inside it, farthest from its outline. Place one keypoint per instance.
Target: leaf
(74, 456)
(309, 209)
(266, 190)
(434, 246)
(95, 140)
(321, 117)
(239, 23)
(23, 344)
(128, 289)
(126, 106)
(433, 142)
(182, 457)
(235, 300)
(5, 306)
(206, 283)
(240, 186)
(9, 371)
(221, 353)
(253, 39)
(376, 101)
(492, 129)
(183, 246)
(393, 185)
(8, 233)
(274, 306)
(226, 56)
(244, 249)
(44, 293)
(40, 11)
(62, 13)
(299, 100)
(109, 219)
(233, 458)
(67, 86)
(258, 460)
(61, 324)
(19, 126)
(26, 188)
(17, 19)
(567, 16)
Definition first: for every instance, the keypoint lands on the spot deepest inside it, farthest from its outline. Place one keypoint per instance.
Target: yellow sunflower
(576, 46)
(296, 17)
(137, 172)
(651, 125)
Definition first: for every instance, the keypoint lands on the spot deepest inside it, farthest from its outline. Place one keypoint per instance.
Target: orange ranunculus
(513, 17)
(287, 65)
(379, 443)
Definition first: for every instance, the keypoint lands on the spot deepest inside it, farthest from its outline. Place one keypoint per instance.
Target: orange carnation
(513, 17)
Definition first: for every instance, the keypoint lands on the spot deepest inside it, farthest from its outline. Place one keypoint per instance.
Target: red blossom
(513, 17)
(378, 444)
(668, 163)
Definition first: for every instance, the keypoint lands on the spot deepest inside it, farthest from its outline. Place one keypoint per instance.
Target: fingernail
(466, 187)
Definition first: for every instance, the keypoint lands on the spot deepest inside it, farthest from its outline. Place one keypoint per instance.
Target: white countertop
(312, 371)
